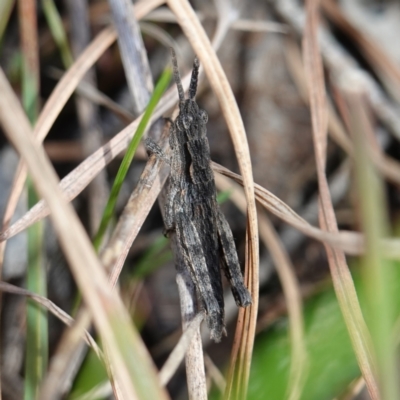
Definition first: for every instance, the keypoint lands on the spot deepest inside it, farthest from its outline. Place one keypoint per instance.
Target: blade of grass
(6, 7)
(126, 162)
(379, 277)
(36, 317)
(57, 30)
(154, 256)
(36, 281)
(341, 276)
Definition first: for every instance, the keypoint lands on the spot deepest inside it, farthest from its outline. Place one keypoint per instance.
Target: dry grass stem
(259, 26)
(195, 373)
(54, 309)
(135, 213)
(290, 285)
(350, 242)
(134, 57)
(341, 276)
(193, 30)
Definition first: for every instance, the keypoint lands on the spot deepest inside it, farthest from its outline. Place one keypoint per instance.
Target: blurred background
(261, 54)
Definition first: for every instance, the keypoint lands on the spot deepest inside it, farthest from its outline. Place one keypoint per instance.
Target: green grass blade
(126, 162)
(91, 374)
(155, 256)
(36, 317)
(36, 280)
(57, 31)
(6, 7)
(223, 196)
(379, 273)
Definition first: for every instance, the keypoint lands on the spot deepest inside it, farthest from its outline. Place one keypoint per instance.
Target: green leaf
(127, 160)
(36, 318)
(155, 256)
(57, 31)
(332, 363)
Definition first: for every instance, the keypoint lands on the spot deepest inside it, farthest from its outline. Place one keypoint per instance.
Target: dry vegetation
(303, 101)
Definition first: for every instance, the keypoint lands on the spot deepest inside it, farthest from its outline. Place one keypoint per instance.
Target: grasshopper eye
(187, 120)
(203, 116)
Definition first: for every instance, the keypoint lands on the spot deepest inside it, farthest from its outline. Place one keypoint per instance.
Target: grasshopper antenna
(194, 78)
(177, 77)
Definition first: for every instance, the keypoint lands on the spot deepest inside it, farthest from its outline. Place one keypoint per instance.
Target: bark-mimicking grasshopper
(203, 235)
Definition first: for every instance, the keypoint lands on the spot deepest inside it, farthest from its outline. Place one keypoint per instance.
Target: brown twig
(133, 53)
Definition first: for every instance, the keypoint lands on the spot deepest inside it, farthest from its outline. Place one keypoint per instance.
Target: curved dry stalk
(291, 290)
(193, 30)
(342, 279)
(350, 242)
(55, 310)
